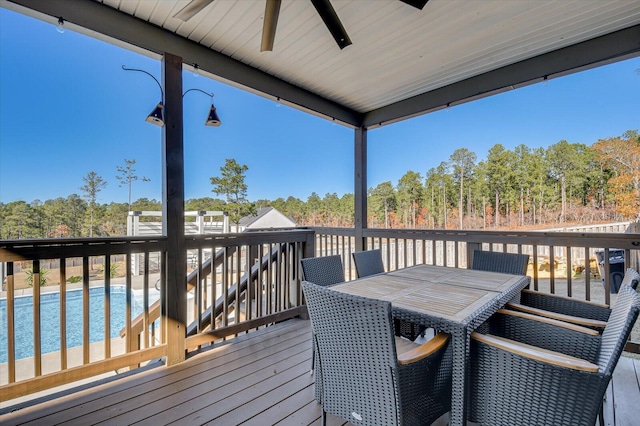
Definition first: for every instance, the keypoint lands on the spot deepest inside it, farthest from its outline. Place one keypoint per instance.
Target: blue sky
(68, 108)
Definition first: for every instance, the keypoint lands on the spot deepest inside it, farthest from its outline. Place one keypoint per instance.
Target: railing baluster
(587, 273)
(63, 314)
(269, 282)
(569, 271)
(37, 328)
(260, 282)
(225, 288)
(552, 270)
(132, 341)
(444, 252)
(199, 292)
(213, 270)
(163, 298)
(607, 277)
(238, 274)
(148, 335)
(248, 296)
(85, 310)
(535, 267)
(107, 306)
(11, 324)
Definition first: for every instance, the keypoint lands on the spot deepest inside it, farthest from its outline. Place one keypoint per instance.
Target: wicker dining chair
(324, 271)
(559, 381)
(580, 312)
(494, 261)
(365, 381)
(369, 262)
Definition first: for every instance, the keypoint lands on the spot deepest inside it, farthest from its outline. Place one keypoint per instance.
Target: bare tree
(127, 175)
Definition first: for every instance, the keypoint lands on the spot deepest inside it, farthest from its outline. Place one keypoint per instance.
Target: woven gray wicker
(512, 384)
(572, 307)
(324, 271)
(369, 262)
(361, 379)
(493, 261)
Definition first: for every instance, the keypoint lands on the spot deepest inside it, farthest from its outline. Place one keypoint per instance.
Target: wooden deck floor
(261, 378)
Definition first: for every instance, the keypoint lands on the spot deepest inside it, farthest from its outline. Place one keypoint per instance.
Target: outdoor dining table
(453, 300)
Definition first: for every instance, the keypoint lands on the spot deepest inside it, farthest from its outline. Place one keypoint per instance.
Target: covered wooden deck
(261, 378)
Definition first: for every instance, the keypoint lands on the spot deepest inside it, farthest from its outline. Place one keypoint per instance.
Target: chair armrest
(586, 322)
(550, 321)
(565, 298)
(424, 350)
(535, 353)
(565, 305)
(546, 333)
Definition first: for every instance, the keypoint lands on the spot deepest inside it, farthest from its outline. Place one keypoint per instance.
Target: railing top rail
(333, 230)
(50, 248)
(576, 239)
(251, 238)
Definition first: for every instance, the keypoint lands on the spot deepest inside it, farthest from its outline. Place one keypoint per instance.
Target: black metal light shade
(213, 119)
(156, 117)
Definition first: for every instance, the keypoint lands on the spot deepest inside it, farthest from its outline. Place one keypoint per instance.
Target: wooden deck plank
(288, 407)
(626, 392)
(256, 379)
(189, 384)
(262, 396)
(182, 404)
(131, 388)
(306, 415)
(81, 400)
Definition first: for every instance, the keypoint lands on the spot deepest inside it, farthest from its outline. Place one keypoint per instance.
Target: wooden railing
(586, 266)
(75, 304)
(565, 263)
(235, 283)
(252, 280)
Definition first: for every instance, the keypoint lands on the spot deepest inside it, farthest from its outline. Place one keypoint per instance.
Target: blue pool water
(50, 320)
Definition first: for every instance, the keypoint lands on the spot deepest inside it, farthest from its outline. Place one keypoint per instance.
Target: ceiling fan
(272, 10)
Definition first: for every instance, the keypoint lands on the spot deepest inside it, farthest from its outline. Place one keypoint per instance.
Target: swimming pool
(50, 319)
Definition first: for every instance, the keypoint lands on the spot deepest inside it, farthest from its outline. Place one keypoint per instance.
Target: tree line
(523, 187)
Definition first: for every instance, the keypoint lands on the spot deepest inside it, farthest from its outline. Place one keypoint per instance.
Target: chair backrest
(324, 271)
(368, 262)
(631, 278)
(616, 332)
(353, 338)
(494, 261)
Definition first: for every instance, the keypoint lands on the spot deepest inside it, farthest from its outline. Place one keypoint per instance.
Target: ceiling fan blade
(419, 4)
(331, 20)
(271, 13)
(191, 9)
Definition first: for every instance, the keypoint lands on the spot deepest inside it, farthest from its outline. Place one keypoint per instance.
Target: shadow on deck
(261, 378)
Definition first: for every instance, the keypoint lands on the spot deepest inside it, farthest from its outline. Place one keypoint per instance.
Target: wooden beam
(360, 186)
(175, 298)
